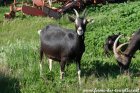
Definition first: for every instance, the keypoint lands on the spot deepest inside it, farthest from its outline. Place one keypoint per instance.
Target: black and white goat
(62, 44)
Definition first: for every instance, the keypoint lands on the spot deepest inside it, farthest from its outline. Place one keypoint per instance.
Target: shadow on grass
(9, 85)
(98, 69)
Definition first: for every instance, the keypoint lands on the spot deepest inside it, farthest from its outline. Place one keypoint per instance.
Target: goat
(108, 46)
(63, 45)
(124, 58)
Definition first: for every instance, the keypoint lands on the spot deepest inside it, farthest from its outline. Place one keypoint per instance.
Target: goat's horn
(84, 13)
(120, 46)
(116, 54)
(77, 15)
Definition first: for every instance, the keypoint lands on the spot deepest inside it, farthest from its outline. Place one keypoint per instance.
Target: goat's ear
(72, 19)
(90, 21)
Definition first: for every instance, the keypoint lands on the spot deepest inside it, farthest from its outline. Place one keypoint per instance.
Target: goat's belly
(53, 55)
(54, 58)
(57, 53)
(50, 52)
(69, 58)
(57, 56)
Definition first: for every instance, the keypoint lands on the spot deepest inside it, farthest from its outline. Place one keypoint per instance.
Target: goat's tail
(39, 31)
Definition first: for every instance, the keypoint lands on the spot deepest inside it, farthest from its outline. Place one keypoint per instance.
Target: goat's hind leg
(62, 66)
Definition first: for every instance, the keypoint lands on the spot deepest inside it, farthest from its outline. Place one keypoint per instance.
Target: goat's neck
(81, 38)
(131, 50)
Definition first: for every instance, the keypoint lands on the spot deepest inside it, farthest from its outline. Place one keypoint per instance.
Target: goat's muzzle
(80, 31)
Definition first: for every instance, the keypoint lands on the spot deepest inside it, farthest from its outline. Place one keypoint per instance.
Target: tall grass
(19, 53)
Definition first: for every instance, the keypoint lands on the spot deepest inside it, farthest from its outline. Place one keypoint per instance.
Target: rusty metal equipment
(44, 8)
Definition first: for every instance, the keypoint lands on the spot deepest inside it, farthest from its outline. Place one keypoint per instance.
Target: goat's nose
(79, 28)
(80, 31)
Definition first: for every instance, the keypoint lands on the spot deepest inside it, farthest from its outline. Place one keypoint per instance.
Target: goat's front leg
(79, 72)
(41, 57)
(62, 66)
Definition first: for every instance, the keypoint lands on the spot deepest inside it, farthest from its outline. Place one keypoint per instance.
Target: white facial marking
(80, 31)
(80, 28)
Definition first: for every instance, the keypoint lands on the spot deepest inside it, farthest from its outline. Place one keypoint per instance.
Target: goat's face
(80, 23)
(111, 39)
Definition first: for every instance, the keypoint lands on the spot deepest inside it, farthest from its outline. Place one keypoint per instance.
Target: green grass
(19, 53)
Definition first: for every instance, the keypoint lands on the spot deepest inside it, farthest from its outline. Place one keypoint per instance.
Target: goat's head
(80, 22)
(122, 58)
(111, 39)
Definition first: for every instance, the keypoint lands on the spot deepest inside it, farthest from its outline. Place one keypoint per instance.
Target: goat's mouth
(124, 69)
(80, 32)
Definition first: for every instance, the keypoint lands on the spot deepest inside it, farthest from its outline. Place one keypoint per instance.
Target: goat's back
(57, 42)
(135, 41)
